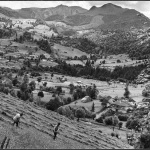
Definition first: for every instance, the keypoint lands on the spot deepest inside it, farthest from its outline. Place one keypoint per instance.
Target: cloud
(133, 2)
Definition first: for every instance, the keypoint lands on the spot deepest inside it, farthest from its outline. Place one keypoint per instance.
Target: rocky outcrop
(36, 129)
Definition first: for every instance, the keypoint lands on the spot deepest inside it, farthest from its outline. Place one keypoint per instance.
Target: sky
(141, 6)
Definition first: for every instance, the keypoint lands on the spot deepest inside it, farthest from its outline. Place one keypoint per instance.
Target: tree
(80, 113)
(145, 140)
(53, 104)
(120, 125)
(44, 84)
(93, 107)
(9, 58)
(23, 87)
(59, 90)
(26, 79)
(32, 85)
(71, 88)
(126, 93)
(39, 79)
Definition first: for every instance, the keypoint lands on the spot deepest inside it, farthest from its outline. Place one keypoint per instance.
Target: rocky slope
(36, 129)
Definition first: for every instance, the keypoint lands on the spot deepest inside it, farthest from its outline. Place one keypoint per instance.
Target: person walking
(56, 129)
(16, 119)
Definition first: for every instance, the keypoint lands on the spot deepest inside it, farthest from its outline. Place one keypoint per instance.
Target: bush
(80, 113)
(53, 104)
(120, 124)
(32, 85)
(66, 111)
(131, 124)
(145, 140)
(41, 94)
(60, 110)
(123, 117)
(39, 79)
(113, 134)
(6, 90)
(72, 117)
(59, 90)
(23, 87)
(18, 94)
(115, 120)
(69, 100)
(100, 120)
(12, 93)
(108, 121)
(53, 95)
(129, 110)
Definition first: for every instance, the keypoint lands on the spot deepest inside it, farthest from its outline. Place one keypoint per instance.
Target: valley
(88, 69)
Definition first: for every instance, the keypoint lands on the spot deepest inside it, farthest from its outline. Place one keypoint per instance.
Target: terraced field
(36, 129)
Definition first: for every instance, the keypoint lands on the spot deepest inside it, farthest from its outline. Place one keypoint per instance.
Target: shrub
(53, 104)
(12, 93)
(72, 117)
(120, 124)
(69, 100)
(66, 111)
(75, 95)
(129, 110)
(131, 124)
(18, 94)
(41, 94)
(80, 113)
(60, 110)
(100, 120)
(93, 115)
(123, 117)
(108, 121)
(59, 90)
(6, 90)
(32, 85)
(14, 82)
(53, 95)
(23, 87)
(128, 123)
(134, 123)
(115, 120)
(39, 79)
(113, 134)
(145, 140)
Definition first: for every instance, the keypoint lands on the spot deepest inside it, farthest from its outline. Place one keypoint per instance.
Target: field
(103, 87)
(111, 61)
(43, 30)
(68, 51)
(75, 62)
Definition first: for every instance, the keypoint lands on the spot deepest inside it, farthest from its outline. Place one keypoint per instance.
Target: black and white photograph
(75, 74)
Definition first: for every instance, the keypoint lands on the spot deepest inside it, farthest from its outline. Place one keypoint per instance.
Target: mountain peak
(61, 5)
(108, 5)
(93, 7)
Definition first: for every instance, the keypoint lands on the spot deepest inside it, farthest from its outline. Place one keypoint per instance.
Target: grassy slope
(36, 129)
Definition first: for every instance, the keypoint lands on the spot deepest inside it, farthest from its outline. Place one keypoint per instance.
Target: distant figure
(56, 129)
(16, 119)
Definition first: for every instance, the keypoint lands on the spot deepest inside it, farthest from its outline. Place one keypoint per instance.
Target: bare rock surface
(36, 129)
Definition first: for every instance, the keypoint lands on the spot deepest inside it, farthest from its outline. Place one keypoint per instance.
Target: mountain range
(108, 16)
